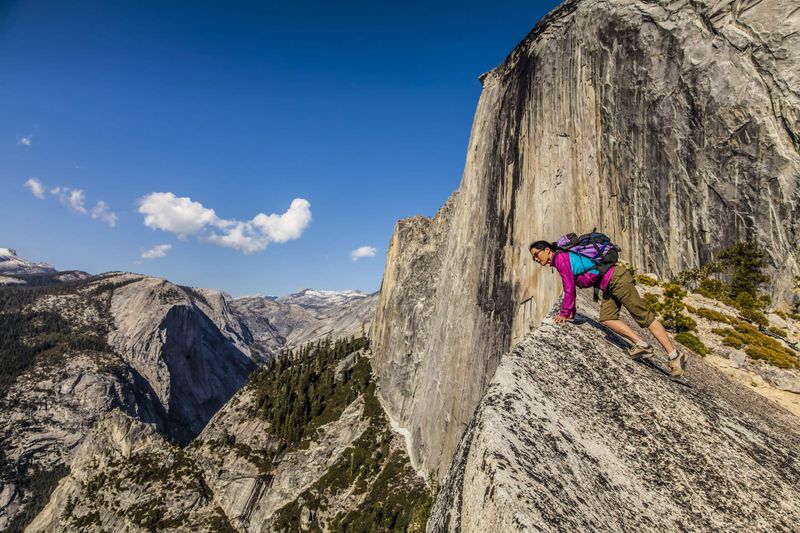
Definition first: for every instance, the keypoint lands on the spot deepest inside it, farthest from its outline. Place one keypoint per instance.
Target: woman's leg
(621, 328)
(629, 296)
(609, 317)
(661, 336)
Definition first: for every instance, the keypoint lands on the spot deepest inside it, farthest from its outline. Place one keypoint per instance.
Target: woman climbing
(618, 290)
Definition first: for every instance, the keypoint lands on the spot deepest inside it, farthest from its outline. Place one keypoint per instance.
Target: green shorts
(622, 291)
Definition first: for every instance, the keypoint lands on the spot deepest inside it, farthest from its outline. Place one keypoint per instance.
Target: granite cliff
(673, 126)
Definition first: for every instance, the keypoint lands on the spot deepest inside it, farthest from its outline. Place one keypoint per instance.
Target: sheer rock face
(674, 127)
(574, 436)
(187, 345)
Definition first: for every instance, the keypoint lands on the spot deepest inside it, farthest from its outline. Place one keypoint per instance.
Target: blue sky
(362, 109)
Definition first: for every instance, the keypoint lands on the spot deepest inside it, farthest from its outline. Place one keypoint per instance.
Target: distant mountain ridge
(12, 264)
(289, 321)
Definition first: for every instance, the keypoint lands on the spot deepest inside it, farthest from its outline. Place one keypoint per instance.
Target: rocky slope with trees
(78, 354)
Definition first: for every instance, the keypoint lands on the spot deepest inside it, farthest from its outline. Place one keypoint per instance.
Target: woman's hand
(559, 319)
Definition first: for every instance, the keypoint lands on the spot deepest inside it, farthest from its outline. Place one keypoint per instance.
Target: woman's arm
(562, 265)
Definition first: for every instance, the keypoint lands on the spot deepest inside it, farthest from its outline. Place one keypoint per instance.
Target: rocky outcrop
(674, 127)
(251, 496)
(126, 477)
(47, 414)
(572, 435)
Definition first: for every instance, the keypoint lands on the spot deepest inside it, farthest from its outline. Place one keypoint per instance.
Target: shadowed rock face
(573, 436)
(186, 344)
(673, 127)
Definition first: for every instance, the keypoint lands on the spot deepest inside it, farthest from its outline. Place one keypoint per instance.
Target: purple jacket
(567, 264)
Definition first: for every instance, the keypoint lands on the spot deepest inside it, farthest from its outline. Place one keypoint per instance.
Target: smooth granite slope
(573, 436)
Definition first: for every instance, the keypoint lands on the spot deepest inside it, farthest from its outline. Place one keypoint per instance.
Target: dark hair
(541, 245)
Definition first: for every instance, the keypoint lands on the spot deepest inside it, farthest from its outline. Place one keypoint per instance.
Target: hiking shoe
(678, 365)
(638, 353)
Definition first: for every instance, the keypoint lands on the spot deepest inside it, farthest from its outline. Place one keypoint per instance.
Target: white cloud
(241, 236)
(363, 251)
(36, 187)
(182, 216)
(288, 226)
(25, 140)
(157, 251)
(101, 211)
(72, 198)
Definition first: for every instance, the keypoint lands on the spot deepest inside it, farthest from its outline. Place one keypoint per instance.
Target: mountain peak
(11, 264)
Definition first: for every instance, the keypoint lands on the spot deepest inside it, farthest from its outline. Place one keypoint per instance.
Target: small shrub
(710, 314)
(691, 341)
(755, 316)
(778, 331)
(694, 276)
(734, 341)
(758, 345)
(774, 357)
(745, 300)
(652, 302)
(672, 310)
(645, 281)
(712, 288)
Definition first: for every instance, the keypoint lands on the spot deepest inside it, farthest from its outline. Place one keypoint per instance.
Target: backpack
(597, 247)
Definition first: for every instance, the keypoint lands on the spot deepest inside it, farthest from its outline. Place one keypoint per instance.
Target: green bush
(672, 310)
(742, 266)
(778, 331)
(774, 357)
(646, 281)
(652, 302)
(758, 345)
(744, 262)
(694, 276)
(755, 316)
(691, 341)
(710, 314)
(712, 288)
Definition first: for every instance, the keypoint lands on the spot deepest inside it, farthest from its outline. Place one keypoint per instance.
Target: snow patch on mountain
(11, 264)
